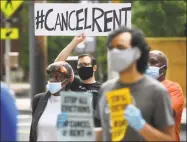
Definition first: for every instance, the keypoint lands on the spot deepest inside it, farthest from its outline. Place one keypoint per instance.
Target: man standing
(86, 66)
(157, 69)
(151, 119)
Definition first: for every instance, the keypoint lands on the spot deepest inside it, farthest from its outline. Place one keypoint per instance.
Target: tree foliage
(160, 18)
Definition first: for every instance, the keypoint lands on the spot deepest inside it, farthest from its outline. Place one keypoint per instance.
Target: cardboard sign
(96, 19)
(76, 121)
(117, 101)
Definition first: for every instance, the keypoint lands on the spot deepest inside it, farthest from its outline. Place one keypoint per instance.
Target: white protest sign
(76, 121)
(96, 19)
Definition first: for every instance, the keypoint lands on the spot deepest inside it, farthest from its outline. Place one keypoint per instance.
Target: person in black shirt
(86, 66)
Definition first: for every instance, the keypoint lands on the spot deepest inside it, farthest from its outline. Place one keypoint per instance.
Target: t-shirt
(47, 130)
(149, 95)
(78, 86)
(177, 100)
(9, 115)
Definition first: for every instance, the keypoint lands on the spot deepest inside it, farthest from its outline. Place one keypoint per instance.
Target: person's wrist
(74, 43)
(141, 124)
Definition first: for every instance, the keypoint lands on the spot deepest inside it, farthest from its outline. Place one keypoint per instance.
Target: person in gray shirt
(150, 117)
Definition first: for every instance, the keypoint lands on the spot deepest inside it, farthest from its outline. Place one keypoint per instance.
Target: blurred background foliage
(163, 18)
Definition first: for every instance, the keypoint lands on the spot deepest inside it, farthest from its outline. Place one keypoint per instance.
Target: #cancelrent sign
(57, 19)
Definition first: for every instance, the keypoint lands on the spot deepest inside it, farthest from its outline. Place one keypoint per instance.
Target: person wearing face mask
(46, 106)
(150, 117)
(86, 66)
(157, 69)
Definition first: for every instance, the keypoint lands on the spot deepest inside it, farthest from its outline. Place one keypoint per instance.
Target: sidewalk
(24, 105)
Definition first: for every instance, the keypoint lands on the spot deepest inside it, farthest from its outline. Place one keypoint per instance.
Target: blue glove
(62, 120)
(134, 117)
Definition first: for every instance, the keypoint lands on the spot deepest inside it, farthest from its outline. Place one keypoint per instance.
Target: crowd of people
(156, 113)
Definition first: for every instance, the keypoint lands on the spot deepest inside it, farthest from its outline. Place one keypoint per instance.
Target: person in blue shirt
(8, 115)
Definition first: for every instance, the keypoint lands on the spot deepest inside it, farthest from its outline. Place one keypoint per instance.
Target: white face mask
(120, 60)
(54, 87)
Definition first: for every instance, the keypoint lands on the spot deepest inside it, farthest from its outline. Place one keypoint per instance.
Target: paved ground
(24, 122)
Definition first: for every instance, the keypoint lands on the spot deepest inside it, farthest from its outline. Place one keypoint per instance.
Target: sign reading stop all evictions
(96, 19)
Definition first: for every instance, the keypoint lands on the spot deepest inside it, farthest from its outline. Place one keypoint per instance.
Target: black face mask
(85, 72)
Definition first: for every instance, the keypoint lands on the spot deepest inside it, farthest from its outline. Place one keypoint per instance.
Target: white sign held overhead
(52, 19)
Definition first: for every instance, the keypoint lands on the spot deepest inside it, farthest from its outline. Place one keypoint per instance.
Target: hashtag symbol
(40, 19)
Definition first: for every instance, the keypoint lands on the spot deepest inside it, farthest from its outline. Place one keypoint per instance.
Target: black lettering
(119, 107)
(89, 133)
(75, 133)
(118, 98)
(120, 123)
(46, 27)
(65, 21)
(85, 21)
(71, 100)
(79, 20)
(64, 133)
(106, 21)
(94, 21)
(65, 123)
(126, 9)
(117, 133)
(116, 19)
(58, 22)
(83, 100)
(82, 124)
(81, 109)
(70, 21)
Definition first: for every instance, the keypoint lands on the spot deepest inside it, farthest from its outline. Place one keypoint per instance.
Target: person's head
(60, 75)
(128, 50)
(158, 64)
(86, 66)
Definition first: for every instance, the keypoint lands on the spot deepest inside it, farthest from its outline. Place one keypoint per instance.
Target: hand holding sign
(134, 117)
(79, 39)
(62, 119)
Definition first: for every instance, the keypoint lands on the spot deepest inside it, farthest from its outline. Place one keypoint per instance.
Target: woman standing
(46, 106)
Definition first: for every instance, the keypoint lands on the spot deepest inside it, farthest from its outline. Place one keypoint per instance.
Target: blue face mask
(54, 87)
(154, 71)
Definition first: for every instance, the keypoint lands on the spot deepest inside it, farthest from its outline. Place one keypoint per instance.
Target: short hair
(162, 56)
(93, 60)
(137, 41)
